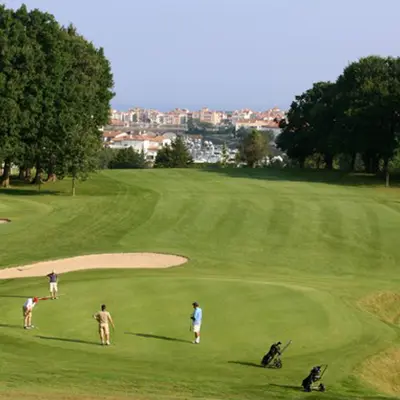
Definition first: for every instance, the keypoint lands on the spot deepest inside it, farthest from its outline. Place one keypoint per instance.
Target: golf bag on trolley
(315, 375)
(273, 358)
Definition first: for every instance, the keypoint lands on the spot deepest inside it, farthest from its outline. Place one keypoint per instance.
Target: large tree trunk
(73, 186)
(51, 176)
(386, 171)
(318, 162)
(375, 164)
(329, 161)
(371, 162)
(5, 178)
(353, 161)
(37, 180)
(21, 174)
(28, 174)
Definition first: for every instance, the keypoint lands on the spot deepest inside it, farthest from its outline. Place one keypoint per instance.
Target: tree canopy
(175, 155)
(253, 148)
(357, 117)
(55, 93)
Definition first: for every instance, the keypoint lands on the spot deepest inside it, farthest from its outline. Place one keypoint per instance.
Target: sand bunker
(382, 372)
(95, 261)
(385, 305)
(4, 221)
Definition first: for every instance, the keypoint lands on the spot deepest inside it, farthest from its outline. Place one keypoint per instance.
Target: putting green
(270, 258)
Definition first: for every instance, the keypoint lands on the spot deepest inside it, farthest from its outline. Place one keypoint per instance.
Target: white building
(142, 143)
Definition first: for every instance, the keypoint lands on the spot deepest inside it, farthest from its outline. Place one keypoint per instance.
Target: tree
(242, 132)
(309, 127)
(85, 106)
(224, 155)
(55, 93)
(356, 117)
(174, 156)
(253, 148)
(128, 159)
(106, 157)
(370, 92)
(16, 53)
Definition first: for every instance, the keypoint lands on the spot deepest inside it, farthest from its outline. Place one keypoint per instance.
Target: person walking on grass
(196, 318)
(27, 312)
(53, 281)
(103, 317)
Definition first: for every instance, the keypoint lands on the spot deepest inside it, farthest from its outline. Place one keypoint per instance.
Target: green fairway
(271, 257)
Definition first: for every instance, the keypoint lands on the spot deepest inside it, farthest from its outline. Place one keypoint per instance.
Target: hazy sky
(227, 54)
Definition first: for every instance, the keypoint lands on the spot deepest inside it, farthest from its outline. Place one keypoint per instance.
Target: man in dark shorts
(53, 280)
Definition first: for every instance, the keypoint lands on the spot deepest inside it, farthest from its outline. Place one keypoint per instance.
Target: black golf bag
(314, 376)
(273, 358)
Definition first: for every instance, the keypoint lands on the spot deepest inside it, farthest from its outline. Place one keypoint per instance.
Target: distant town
(245, 118)
(205, 131)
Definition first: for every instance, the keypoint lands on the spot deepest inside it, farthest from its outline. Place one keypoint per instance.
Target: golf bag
(315, 375)
(272, 359)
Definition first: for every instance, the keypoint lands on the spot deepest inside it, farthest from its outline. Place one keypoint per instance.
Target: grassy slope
(270, 259)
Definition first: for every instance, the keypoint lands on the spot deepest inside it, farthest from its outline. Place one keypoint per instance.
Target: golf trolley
(273, 358)
(314, 376)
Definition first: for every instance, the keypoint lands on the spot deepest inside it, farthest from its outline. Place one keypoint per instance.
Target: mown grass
(272, 256)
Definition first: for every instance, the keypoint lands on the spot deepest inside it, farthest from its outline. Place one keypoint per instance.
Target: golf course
(312, 257)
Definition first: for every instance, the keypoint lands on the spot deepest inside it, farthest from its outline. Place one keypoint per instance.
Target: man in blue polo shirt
(196, 318)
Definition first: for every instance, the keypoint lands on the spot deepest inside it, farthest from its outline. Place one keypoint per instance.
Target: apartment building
(148, 144)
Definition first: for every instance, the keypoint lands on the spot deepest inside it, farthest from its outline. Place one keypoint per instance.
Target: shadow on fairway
(291, 387)
(246, 364)
(10, 326)
(27, 192)
(306, 175)
(68, 340)
(149, 336)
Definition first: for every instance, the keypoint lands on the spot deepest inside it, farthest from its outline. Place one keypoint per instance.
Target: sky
(227, 54)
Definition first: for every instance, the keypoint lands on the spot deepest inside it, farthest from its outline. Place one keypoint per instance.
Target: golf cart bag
(272, 358)
(315, 375)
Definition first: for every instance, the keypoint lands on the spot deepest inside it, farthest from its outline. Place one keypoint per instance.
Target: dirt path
(94, 261)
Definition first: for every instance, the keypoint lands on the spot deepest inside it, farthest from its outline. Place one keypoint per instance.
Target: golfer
(103, 317)
(27, 312)
(196, 318)
(53, 281)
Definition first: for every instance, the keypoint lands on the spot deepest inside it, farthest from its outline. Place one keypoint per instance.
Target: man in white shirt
(27, 312)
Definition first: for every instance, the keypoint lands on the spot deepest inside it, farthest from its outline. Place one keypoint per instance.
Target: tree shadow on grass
(68, 340)
(150, 336)
(339, 178)
(246, 364)
(27, 192)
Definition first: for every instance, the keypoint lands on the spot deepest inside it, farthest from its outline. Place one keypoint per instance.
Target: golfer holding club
(27, 312)
(196, 318)
(103, 317)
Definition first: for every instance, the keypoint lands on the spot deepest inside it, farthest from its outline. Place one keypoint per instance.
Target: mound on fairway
(382, 372)
(385, 305)
(95, 261)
